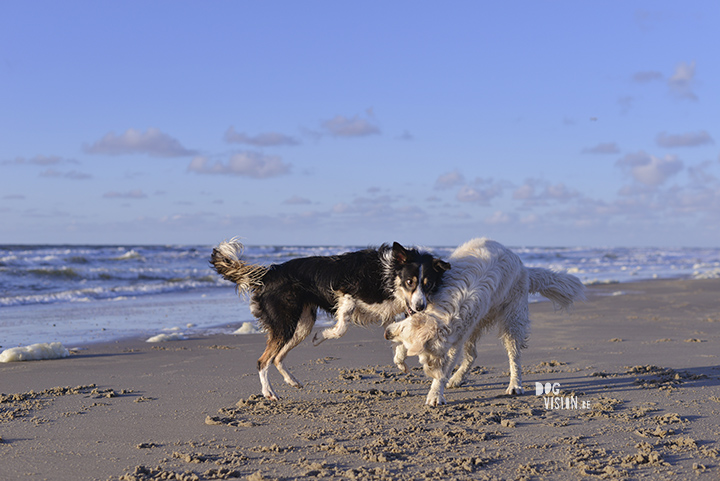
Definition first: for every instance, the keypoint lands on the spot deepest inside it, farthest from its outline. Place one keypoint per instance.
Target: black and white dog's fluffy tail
(561, 288)
(226, 260)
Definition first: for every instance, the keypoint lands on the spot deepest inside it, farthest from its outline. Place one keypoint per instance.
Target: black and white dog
(364, 287)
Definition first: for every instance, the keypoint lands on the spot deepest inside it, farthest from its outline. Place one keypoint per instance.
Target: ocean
(85, 294)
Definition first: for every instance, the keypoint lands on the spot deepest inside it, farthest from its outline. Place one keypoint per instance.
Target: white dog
(487, 285)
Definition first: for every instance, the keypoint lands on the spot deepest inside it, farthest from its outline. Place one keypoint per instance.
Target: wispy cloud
(73, 174)
(267, 139)
(152, 142)
(648, 169)
(625, 102)
(647, 76)
(133, 194)
(244, 164)
(43, 160)
(482, 192)
(297, 200)
(535, 192)
(341, 126)
(602, 148)
(690, 139)
(682, 81)
(449, 180)
(500, 218)
(405, 136)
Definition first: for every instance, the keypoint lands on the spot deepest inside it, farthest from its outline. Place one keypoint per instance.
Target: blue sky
(354, 123)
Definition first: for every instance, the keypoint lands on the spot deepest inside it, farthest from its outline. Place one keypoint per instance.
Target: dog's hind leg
(304, 326)
(436, 370)
(514, 336)
(469, 356)
(274, 345)
(345, 308)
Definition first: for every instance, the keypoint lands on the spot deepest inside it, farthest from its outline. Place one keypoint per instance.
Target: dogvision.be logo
(553, 400)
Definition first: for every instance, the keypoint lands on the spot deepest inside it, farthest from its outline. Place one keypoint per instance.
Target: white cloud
(690, 139)
(379, 209)
(341, 126)
(153, 142)
(602, 148)
(73, 174)
(244, 164)
(297, 200)
(482, 195)
(538, 192)
(647, 76)
(499, 217)
(625, 102)
(405, 136)
(43, 160)
(650, 170)
(449, 180)
(133, 194)
(682, 81)
(267, 139)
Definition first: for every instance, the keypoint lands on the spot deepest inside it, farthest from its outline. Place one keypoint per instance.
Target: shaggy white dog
(487, 285)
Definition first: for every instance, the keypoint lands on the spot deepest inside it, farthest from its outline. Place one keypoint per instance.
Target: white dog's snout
(389, 335)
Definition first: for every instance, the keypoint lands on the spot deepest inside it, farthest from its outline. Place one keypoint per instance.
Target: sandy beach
(637, 396)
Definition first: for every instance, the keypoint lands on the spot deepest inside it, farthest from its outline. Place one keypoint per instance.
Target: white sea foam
(173, 336)
(709, 274)
(247, 328)
(100, 293)
(34, 352)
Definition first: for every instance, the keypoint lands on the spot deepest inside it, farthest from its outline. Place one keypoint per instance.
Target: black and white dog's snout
(418, 301)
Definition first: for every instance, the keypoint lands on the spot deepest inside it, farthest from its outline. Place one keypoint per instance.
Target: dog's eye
(410, 282)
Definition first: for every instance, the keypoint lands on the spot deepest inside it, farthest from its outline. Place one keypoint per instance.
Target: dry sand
(643, 367)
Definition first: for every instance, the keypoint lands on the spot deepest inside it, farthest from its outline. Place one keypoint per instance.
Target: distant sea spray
(52, 274)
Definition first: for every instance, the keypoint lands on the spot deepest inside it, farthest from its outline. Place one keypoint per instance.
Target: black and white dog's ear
(400, 254)
(440, 265)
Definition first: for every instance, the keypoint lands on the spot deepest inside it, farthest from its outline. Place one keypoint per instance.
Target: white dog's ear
(415, 348)
(424, 329)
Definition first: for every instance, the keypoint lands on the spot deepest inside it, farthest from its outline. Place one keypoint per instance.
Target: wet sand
(638, 397)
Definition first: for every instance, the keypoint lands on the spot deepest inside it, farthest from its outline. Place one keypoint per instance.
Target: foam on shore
(174, 336)
(34, 352)
(247, 328)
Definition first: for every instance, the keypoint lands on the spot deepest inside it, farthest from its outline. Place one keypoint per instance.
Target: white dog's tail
(561, 288)
(226, 261)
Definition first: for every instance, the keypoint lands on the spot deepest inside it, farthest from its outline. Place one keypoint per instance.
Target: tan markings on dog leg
(304, 326)
(271, 350)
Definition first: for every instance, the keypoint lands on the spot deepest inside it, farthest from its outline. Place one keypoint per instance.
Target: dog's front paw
(294, 383)
(455, 381)
(402, 366)
(435, 399)
(514, 390)
(270, 395)
(317, 339)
